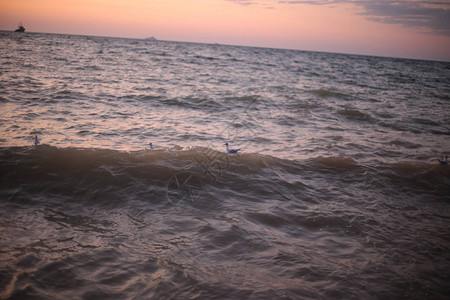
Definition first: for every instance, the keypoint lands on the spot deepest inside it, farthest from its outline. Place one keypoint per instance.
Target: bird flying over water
(231, 151)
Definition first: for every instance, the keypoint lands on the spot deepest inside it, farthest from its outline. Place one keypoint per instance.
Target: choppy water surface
(337, 193)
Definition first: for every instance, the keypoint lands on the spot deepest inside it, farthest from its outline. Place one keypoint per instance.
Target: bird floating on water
(444, 161)
(231, 151)
(151, 146)
(36, 140)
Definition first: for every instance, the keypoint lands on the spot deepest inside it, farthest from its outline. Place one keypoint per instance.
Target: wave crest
(109, 177)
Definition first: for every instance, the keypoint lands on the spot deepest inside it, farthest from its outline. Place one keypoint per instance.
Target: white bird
(444, 161)
(36, 140)
(231, 151)
(151, 146)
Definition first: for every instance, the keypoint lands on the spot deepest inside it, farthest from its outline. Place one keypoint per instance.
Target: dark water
(336, 194)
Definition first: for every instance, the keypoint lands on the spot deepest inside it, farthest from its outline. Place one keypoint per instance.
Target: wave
(354, 114)
(200, 103)
(324, 93)
(404, 144)
(194, 103)
(110, 178)
(337, 163)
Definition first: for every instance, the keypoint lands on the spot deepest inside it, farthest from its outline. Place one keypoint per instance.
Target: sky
(405, 28)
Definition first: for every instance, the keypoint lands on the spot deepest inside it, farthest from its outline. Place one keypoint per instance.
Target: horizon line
(230, 45)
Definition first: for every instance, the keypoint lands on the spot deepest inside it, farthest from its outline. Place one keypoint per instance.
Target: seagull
(231, 151)
(444, 161)
(36, 140)
(151, 146)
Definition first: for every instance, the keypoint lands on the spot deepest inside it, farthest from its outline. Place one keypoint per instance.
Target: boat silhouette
(21, 28)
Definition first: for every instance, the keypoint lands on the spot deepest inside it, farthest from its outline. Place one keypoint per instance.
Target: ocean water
(336, 193)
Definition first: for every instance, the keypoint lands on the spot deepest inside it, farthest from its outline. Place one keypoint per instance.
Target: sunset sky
(407, 28)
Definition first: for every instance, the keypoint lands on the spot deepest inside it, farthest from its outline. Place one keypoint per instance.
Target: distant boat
(151, 39)
(21, 28)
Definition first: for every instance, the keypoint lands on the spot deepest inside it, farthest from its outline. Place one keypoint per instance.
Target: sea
(336, 193)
